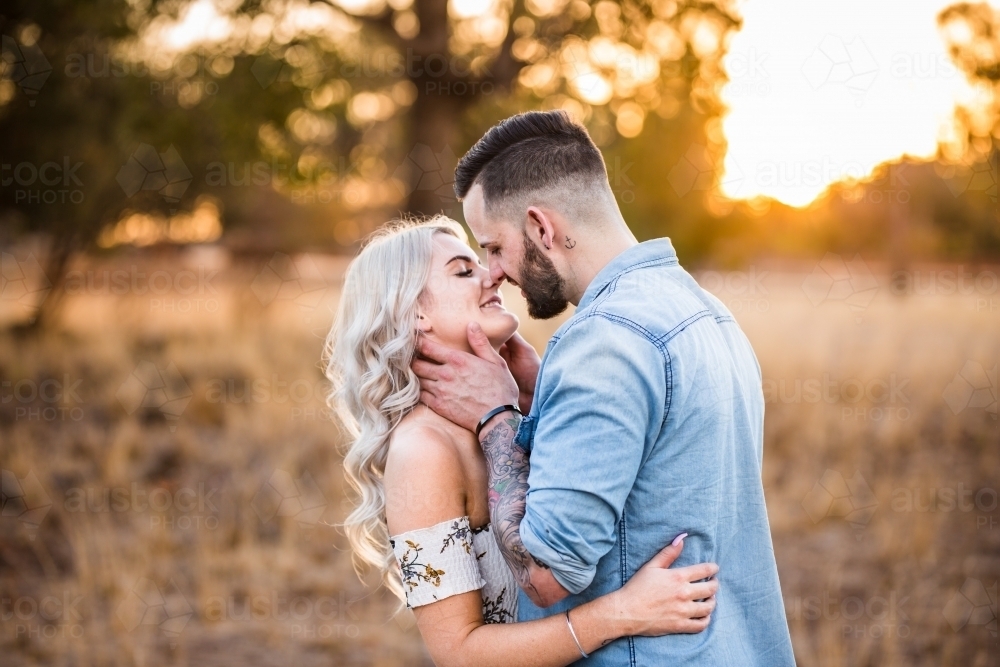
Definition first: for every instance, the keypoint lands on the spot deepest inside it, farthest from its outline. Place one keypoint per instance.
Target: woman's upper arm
(425, 486)
(445, 625)
(424, 482)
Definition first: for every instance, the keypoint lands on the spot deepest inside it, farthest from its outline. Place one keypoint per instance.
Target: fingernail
(678, 539)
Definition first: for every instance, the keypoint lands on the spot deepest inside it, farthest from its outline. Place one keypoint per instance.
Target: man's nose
(496, 273)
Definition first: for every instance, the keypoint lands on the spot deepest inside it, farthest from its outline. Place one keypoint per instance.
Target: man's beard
(544, 289)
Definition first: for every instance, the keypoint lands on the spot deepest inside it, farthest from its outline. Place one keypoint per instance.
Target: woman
(422, 516)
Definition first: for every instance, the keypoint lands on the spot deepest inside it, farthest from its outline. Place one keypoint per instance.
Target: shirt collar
(647, 252)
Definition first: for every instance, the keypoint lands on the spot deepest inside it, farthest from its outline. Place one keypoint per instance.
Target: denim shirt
(647, 422)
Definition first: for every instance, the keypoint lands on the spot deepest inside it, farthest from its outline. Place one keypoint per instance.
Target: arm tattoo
(508, 470)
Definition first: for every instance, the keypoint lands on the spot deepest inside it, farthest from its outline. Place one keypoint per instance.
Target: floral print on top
(451, 558)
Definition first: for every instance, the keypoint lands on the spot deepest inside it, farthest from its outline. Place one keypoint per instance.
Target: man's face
(513, 256)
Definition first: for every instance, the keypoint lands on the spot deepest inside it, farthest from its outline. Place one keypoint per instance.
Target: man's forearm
(508, 486)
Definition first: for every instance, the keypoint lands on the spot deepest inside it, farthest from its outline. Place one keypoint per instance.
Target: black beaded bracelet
(493, 413)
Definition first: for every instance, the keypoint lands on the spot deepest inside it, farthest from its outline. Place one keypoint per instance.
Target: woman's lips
(494, 302)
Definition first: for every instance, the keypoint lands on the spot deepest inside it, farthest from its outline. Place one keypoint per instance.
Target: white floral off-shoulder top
(451, 558)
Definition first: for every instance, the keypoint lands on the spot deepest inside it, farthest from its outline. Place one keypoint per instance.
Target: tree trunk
(433, 155)
(446, 87)
(60, 252)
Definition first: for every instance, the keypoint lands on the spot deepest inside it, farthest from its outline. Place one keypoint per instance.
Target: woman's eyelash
(466, 273)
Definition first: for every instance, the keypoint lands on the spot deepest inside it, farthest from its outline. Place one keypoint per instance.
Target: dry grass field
(171, 482)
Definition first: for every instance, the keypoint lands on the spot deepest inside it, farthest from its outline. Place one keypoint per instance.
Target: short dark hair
(528, 152)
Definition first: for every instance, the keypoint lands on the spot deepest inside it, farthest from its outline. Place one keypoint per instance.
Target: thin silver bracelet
(569, 624)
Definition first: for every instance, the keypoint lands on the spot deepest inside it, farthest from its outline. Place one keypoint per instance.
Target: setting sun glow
(824, 91)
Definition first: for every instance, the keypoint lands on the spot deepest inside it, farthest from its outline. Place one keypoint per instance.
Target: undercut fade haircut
(529, 152)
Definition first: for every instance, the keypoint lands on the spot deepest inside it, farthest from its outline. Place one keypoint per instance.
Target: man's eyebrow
(464, 258)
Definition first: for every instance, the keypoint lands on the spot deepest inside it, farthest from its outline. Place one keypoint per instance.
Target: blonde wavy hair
(368, 354)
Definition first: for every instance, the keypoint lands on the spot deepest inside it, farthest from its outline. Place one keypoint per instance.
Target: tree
(149, 106)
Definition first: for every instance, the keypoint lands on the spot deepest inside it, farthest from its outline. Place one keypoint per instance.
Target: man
(643, 421)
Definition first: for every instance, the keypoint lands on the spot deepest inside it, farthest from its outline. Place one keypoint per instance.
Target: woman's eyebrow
(464, 258)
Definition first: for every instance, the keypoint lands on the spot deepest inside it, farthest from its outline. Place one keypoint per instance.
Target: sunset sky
(819, 91)
(827, 89)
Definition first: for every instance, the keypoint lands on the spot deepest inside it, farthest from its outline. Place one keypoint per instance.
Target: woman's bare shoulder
(424, 480)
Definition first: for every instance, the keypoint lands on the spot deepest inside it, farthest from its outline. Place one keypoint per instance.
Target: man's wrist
(495, 419)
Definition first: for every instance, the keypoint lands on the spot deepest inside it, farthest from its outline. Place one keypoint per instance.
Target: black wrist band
(493, 413)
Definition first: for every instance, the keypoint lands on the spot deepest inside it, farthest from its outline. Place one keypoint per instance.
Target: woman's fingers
(703, 589)
(698, 572)
(702, 609)
(666, 556)
(696, 625)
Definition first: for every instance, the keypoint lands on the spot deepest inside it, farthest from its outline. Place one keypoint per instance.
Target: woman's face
(459, 291)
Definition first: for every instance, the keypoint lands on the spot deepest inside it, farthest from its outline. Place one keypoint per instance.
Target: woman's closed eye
(465, 274)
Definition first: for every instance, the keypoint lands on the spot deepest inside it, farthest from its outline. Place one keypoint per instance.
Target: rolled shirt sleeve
(601, 393)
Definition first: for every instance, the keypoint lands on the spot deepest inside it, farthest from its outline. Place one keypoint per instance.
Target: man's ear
(540, 227)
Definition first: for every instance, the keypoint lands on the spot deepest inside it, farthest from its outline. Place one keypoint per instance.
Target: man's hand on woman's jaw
(523, 363)
(462, 387)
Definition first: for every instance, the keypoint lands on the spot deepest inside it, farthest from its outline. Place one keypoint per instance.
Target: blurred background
(182, 184)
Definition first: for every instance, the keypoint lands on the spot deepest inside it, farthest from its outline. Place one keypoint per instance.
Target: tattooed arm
(463, 387)
(507, 464)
